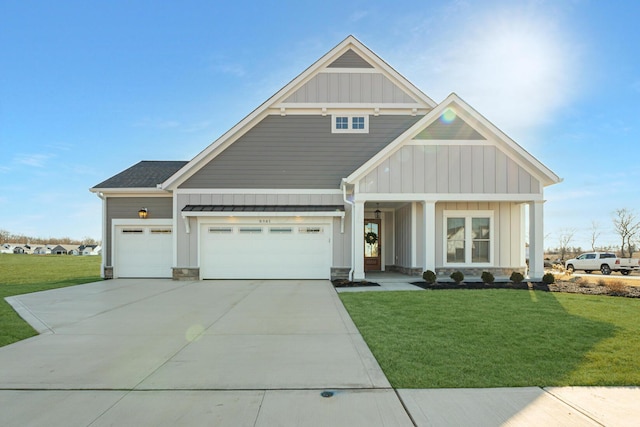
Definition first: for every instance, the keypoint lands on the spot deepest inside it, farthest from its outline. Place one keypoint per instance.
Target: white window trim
(468, 215)
(350, 127)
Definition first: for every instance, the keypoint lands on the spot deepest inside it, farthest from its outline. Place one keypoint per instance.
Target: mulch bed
(568, 287)
(342, 283)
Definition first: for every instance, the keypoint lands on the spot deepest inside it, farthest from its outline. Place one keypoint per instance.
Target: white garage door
(143, 251)
(261, 251)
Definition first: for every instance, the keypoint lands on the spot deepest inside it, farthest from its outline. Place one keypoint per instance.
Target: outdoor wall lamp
(377, 211)
(142, 213)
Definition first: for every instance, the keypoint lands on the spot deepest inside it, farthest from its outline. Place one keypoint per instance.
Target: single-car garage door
(265, 251)
(143, 251)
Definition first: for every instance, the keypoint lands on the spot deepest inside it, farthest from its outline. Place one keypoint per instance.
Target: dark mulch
(568, 287)
(342, 283)
(473, 285)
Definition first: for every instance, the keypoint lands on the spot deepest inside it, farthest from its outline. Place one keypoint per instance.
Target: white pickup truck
(606, 262)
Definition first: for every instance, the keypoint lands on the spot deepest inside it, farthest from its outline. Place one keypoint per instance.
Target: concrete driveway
(160, 352)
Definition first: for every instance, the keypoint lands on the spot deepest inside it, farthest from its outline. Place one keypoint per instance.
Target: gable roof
(350, 52)
(471, 118)
(144, 174)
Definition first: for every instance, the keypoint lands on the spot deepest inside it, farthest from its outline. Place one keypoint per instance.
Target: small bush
(516, 277)
(457, 277)
(602, 282)
(429, 277)
(487, 277)
(548, 279)
(617, 288)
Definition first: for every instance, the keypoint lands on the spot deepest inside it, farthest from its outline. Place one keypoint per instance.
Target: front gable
(349, 79)
(453, 150)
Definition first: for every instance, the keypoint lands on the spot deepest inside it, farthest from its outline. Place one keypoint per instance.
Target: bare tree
(595, 233)
(627, 226)
(566, 236)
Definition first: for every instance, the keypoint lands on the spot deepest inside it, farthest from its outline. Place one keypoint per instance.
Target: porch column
(358, 241)
(429, 226)
(536, 240)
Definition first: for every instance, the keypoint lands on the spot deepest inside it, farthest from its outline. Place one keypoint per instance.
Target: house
(89, 249)
(65, 250)
(349, 168)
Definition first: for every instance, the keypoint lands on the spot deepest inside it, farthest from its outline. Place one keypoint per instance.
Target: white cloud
(34, 160)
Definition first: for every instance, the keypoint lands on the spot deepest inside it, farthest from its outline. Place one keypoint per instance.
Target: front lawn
(21, 274)
(499, 338)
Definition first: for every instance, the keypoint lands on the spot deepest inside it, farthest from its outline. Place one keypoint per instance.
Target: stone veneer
(409, 271)
(186, 273)
(108, 272)
(340, 273)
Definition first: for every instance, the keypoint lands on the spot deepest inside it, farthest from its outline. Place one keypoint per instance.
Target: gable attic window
(349, 123)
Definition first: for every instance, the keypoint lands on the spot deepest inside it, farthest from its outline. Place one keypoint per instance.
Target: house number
(265, 221)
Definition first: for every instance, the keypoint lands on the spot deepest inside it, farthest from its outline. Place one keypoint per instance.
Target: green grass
(21, 274)
(499, 338)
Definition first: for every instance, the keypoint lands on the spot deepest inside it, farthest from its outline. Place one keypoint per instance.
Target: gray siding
(457, 129)
(350, 88)
(127, 208)
(188, 243)
(297, 152)
(350, 59)
(449, 169)
(403, 236)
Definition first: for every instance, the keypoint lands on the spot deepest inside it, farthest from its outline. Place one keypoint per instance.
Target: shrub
(487, 277)
(616, 287)
(548, 279)
(516, 277)
(457, 277)
(429, 277)
(602, 282)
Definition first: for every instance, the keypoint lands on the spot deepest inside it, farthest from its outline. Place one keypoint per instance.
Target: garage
(266, 249)
(143, 251)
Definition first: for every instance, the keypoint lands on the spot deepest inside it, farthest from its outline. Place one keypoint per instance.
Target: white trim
(105, 231)
(449, 142)
(447, 197)
(405, 107)
(336, 70)
(291, 191)
(468, 215)
(261, 214)
(132, 192)
(174, 219)
(414, 235)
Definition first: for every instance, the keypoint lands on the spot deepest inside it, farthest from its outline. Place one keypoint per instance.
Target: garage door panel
(143, 251)
(275, 252)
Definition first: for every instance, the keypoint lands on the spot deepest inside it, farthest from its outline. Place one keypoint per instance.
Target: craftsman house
(348, 169)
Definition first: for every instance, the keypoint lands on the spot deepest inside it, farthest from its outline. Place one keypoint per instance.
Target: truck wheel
(570, 268)
(604, 269)
(625, 272)
(588, 271)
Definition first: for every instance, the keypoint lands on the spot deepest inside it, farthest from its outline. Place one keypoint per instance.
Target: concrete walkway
(255, 353)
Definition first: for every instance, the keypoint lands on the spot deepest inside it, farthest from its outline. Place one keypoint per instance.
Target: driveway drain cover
(326, 394)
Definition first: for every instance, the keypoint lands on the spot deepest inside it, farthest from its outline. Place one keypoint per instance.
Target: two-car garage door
(288, 250)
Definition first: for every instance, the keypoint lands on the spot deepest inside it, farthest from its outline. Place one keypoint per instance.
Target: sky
(88, 89)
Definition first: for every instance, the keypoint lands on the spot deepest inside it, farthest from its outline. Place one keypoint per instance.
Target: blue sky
(89, 88)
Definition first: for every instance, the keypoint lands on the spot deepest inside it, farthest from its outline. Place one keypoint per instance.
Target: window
(160, 231)
(250, 230)
(350, 124)
(310, 230)
(281, 230)
(220, 230)
(469, 237)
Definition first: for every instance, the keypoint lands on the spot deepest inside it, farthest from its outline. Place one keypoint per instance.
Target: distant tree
(4, 236)
(566, 236)
(627, 226)
(595, 233)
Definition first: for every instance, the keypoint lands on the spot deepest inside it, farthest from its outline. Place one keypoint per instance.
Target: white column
(414, 236)
(358, 240)
(429, 226)
(536, 240)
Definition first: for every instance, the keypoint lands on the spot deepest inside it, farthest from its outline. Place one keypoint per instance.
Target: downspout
(343, 184)
(104, 231)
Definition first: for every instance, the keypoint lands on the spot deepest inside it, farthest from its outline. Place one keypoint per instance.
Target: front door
(372, 245)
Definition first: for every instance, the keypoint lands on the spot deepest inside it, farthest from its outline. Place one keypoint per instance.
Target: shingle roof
(145, 174)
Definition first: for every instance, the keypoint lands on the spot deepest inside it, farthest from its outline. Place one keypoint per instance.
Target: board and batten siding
(127, 208)
(188, 243)
(466, 169)
(297, 152)
(507, 233)
(350, 88)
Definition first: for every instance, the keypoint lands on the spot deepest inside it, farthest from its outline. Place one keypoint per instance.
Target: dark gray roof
(263, 208)
(147, 173)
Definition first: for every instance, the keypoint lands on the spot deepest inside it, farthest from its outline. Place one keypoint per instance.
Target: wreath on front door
(371, 238)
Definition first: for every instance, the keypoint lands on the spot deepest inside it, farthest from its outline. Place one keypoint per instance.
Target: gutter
(343, 185)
